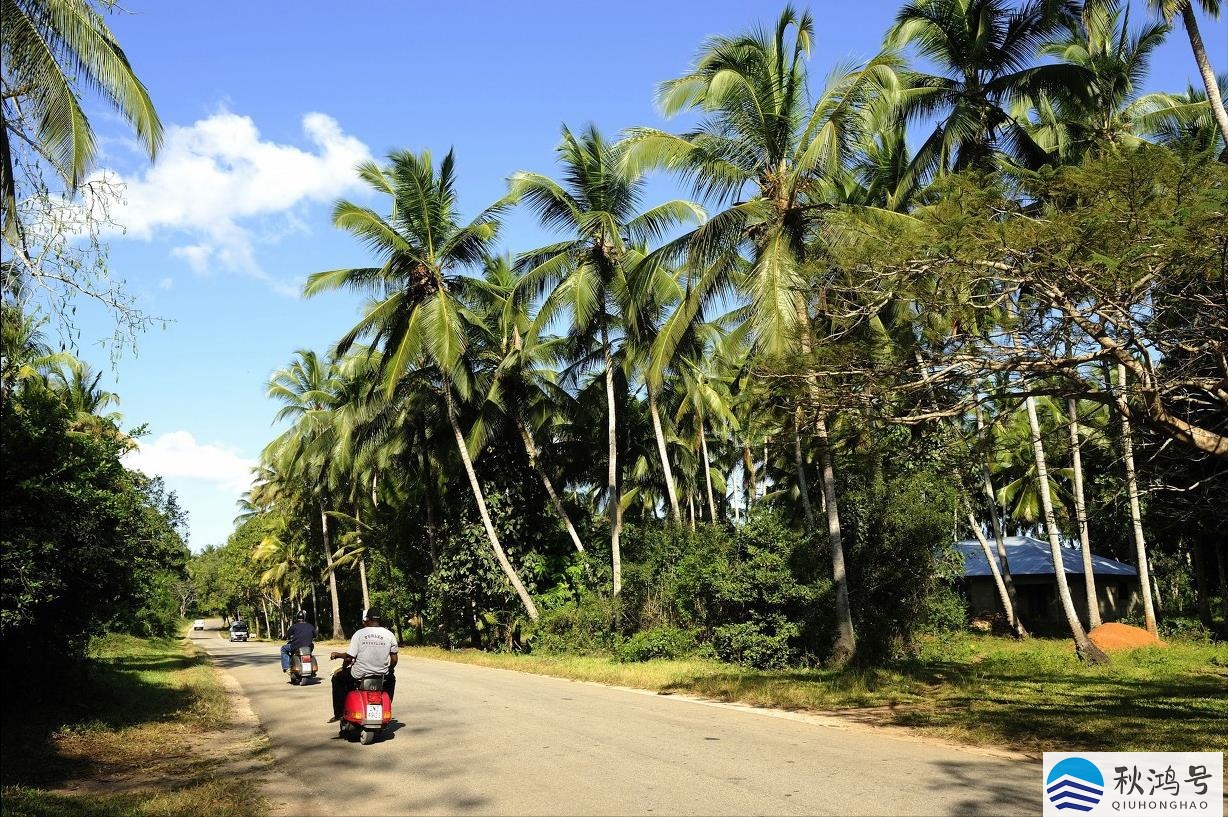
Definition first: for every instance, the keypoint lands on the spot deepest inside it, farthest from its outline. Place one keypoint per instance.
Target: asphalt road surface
(471, 740)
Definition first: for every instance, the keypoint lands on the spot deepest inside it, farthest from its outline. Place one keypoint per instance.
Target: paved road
(470, 740)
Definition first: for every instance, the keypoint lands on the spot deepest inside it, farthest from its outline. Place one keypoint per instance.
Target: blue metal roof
(1031, 557)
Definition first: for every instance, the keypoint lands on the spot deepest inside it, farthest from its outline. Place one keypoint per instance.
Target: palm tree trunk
(1223, 582)
(670, 489)
(703, 448)
(1204, 67)
(1076, 459)
(1003, 597)
(803, 487)
(362, 562)
(999, 535)
(315, 605)
(531, 449)
(478, 497)
(1136, 516)
(748, 465)
(338, 632)
(615, 501)
(362, 578)
(846, 641)
(1086, 649)
(264, 606)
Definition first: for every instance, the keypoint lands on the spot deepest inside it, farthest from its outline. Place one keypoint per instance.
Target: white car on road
(198, 624)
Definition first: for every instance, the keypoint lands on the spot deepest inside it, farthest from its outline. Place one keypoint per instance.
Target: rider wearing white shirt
(372, 651)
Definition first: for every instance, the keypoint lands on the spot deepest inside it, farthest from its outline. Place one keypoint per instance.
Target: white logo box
(1129, 783)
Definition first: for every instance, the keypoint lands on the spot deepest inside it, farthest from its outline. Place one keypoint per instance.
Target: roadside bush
(583, 627)
(660, 642)
(762, 644)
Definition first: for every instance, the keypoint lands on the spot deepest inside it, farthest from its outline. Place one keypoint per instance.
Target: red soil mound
(1113, 637)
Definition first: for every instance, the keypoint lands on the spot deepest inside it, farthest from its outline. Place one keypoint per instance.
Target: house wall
(1118, 597)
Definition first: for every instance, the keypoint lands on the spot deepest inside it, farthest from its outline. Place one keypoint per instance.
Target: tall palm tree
(1169, 9)
(414, 314)
(981, 50)
(775, 157)
(524, 384)
(597, 205)
(307, 388)
(52, 50)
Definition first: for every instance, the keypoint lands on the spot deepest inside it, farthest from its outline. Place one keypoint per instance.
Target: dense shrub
(660, 642)
(762, 644)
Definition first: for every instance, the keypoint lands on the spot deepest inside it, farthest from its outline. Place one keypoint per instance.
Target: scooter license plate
(375, 712)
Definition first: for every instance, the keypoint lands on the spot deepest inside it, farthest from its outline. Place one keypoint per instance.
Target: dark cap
(370, 614)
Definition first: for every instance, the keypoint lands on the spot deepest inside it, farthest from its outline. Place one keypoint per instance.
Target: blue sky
(268, 106)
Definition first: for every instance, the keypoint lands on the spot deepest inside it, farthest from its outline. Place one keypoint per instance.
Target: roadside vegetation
(1031, 696)
(143, 733)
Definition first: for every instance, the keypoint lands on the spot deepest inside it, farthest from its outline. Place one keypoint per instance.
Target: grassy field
(1028, 696)
(145, 734)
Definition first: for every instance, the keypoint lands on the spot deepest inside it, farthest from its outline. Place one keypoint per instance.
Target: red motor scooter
(368, 709)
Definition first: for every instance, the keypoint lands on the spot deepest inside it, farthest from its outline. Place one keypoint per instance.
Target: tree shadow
(102, 694)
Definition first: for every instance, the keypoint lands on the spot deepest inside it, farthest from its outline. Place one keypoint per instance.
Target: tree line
(867, 348)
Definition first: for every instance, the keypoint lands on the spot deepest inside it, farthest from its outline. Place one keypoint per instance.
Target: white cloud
(167, 283)
(178, 455)
(215, 178)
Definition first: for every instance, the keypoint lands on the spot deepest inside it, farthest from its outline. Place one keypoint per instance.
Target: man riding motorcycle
(372, 651)
(300, 634)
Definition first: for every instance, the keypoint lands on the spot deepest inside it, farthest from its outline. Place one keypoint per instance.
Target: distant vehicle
(198, 624)
(238, 631)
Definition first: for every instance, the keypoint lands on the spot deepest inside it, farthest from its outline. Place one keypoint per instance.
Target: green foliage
(86, 543)
(659, 642)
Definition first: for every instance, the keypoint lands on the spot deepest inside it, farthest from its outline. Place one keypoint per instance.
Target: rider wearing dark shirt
(300, 634)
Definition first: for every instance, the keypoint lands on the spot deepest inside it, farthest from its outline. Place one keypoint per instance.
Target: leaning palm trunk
(670, 489)
(1003, 596)
(703, 448)
(999, 534)
(846, 640)
(531, 449)
(615, 501)
(1204, 68)
(480, 499)
(1136, 517)
(1076, 461)
(338, 632)
(1086, 649)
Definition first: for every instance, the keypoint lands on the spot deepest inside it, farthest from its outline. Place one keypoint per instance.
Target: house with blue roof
(1031, 567)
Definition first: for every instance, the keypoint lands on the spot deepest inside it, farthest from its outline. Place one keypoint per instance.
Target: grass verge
(142, 731)
(1030, 696)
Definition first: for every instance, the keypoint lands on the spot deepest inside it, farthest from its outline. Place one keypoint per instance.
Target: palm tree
(1183, 122)
(1169, 9)
(52, 50)
(1106, 109)
(308, 389)
(596, 204)
(524, 382)
(414, 314)
(780, 159)
(1136, 516)
(982, 50)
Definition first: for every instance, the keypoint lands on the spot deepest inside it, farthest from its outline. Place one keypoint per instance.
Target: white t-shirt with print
(371, 647)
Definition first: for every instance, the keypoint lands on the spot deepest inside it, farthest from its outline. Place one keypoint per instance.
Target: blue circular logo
(1075, 783)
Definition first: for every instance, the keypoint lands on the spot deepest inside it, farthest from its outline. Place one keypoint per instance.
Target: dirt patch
(1115, 637)
(167, 756)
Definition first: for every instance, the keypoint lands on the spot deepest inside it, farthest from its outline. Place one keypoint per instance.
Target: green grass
(134, 736)
(1029, 696)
